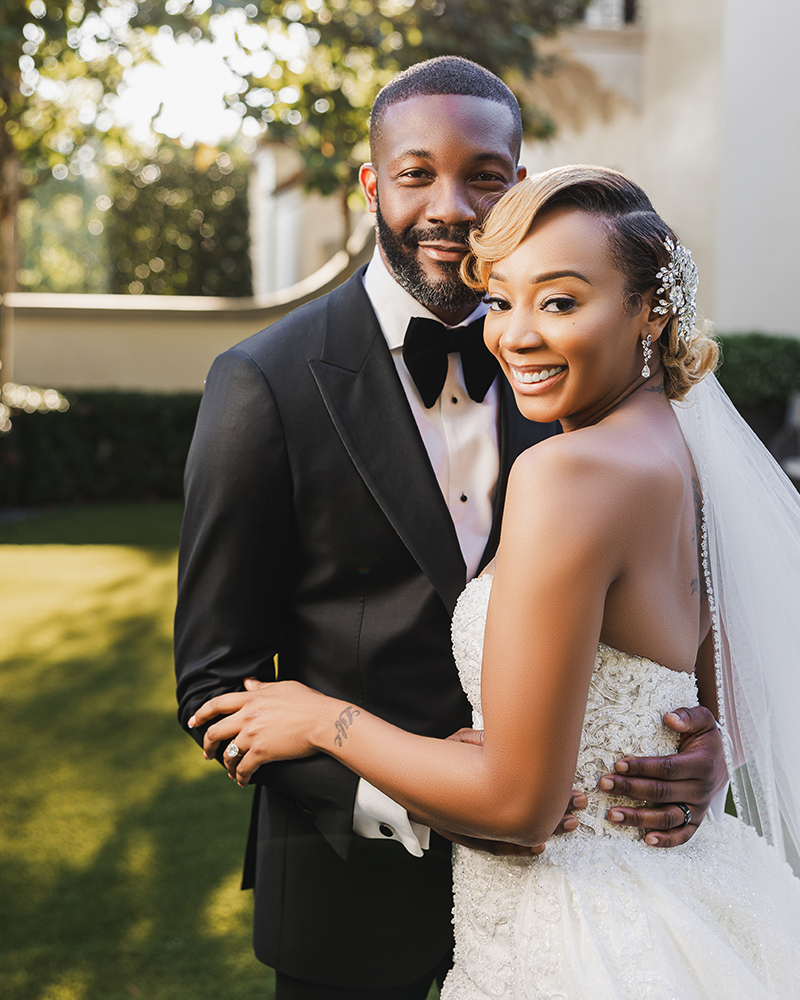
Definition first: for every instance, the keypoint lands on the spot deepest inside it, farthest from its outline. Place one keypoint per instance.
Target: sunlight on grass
(72, 986)
(91, 661)
(122, 848)
(227, 913)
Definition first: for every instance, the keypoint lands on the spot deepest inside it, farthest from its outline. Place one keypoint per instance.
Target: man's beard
(447, 293)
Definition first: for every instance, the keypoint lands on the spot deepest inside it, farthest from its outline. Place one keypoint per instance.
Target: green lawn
(121, 848)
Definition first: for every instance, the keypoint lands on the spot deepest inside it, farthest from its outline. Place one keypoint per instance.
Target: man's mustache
(436, 234)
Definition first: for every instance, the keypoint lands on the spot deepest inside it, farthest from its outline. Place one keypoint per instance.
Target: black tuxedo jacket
(315, 530)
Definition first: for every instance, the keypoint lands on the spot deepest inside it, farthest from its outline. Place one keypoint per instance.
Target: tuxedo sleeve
(235, 557)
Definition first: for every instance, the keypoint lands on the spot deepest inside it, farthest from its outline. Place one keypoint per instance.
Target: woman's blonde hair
(636, 235)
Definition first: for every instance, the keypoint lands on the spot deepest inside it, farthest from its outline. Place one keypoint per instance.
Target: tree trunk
(9, 203)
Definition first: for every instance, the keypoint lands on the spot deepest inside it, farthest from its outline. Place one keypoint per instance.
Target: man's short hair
(444, 75)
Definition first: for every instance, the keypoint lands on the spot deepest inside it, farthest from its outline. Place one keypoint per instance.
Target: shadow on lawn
(125, 881)
(154, 525)
(164, 934)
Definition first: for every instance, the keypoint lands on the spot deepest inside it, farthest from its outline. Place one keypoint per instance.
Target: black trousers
(288, 988)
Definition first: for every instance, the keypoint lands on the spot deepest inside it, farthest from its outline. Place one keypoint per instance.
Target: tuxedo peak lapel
(358, 382)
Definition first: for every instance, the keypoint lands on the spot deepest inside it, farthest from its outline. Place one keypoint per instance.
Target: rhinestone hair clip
(679, 289)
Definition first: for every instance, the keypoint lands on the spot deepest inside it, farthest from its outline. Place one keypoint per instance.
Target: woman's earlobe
(657, 319)
(655, 327)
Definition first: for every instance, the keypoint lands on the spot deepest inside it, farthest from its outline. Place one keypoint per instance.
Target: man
(335, 509)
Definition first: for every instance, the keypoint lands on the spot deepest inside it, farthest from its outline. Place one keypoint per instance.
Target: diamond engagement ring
(687, 813)
(234, 751)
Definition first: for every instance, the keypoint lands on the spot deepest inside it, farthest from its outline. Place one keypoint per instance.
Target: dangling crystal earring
(647, 350)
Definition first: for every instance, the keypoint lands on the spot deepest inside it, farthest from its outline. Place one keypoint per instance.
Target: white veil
(752, 565)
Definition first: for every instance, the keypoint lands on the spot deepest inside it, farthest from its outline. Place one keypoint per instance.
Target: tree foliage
(180, 217)
(63, 239)
(61, 62)
(163, 220)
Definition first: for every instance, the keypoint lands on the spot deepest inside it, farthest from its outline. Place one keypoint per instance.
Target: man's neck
(448, 317)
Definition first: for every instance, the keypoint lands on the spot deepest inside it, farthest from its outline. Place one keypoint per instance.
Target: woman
(594, 620)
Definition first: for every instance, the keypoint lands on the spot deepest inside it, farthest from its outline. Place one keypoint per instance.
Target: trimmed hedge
(109, 446)
(760, 372)
(757, 368)
(130, 446)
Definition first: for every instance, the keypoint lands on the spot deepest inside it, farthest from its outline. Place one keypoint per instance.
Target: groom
(345, 480)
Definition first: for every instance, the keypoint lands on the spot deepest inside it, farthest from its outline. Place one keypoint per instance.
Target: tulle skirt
(601, 917)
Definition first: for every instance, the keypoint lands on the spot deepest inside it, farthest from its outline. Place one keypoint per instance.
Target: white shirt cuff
(377, 817)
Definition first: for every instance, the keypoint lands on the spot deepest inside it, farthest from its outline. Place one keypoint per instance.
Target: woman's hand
(266, 722)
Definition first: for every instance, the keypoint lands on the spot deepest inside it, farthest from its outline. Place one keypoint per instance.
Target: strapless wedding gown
(600, 914)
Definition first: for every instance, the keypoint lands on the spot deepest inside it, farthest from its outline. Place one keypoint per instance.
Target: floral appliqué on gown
(601, 914)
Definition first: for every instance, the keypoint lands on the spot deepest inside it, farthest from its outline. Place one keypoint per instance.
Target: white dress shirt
(460, 437)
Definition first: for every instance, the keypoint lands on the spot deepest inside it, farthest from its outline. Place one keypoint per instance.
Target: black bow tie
(426, 346)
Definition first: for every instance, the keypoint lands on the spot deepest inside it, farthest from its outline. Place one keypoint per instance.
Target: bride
(647, 559)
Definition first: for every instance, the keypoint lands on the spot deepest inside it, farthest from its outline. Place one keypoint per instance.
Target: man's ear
(368, 177)
(522, 173)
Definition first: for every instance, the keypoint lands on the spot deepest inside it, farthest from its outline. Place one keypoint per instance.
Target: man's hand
(501, 848)
(692, 776)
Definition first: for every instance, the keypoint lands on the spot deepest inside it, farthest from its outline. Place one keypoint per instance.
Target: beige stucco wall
(149, 342)
(758, 232)
(654, 96)
(68, 347)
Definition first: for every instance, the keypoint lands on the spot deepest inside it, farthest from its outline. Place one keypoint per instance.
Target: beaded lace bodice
(628, 698)
(600, 915)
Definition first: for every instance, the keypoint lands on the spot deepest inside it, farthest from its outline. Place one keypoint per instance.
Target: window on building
(610, 13)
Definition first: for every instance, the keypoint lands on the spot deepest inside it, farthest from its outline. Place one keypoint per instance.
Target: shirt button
(454, 399)
(387, 831)
(463, 497)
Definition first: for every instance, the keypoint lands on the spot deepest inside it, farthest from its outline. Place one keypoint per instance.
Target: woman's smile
(534, 379)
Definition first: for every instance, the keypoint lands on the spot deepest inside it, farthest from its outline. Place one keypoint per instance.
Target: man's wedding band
(234, 751)
(687, 812)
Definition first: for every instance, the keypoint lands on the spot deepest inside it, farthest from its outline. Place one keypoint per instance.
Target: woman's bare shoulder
(563, 507)
(599, 464)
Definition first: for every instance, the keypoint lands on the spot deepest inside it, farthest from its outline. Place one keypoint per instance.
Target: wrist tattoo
(343, 723)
